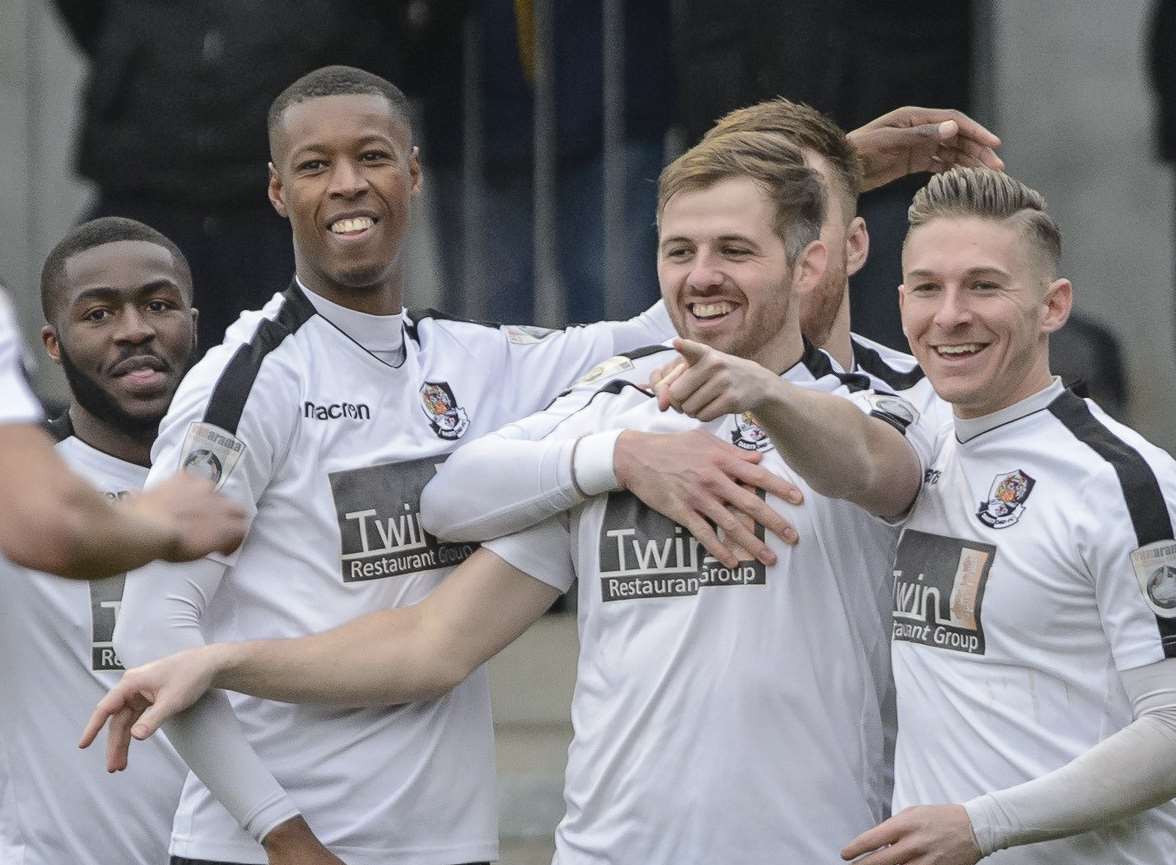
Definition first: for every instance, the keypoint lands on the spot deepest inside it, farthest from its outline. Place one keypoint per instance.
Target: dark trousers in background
(239, 256)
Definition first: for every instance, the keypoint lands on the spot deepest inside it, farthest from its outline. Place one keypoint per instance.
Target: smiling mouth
(352, 226)
(710, 311)
(966, 349)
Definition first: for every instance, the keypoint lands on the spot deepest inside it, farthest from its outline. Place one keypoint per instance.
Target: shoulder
(631, 367)
(897, 369)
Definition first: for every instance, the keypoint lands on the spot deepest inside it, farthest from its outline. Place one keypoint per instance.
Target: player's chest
(990, 559)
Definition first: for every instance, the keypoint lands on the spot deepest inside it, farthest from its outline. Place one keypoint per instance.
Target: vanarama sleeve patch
(210, 452)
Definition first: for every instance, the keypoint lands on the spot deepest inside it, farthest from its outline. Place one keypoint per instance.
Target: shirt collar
(969, 428)
(374, 332)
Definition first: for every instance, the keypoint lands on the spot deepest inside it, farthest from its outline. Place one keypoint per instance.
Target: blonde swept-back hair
(772, 162)
(988, 194)
(807, 128)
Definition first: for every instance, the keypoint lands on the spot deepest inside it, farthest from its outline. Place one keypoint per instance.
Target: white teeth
(346, 226)
(967, 348)
(711, 310)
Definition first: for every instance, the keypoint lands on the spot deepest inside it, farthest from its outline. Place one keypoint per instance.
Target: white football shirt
(55, 635)
(1037, 563)
(902, 374)
(17, 403)
(326, 423)
(720, 715)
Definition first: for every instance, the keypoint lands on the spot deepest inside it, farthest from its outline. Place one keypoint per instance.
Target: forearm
(839, 450)
(1128, 772)
(161, 614)
(63, 525)
(372, 661)
(498, 485)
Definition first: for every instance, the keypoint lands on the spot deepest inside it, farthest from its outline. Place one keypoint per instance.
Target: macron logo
(336, 411)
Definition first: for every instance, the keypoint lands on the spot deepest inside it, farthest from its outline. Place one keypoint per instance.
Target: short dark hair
(99, 232)
(336, 81)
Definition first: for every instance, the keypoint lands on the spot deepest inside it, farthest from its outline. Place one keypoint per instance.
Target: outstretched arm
(909, 140)
(391, 656)
(840, 450)
(66, 527)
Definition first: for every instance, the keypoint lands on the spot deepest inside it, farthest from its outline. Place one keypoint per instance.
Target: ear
(857, 246)
(414, 169)
(51, 342)
(809, 269)
(1057, 304)
(276, 193)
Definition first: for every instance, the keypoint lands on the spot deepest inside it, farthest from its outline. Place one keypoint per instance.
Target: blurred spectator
(505, 90)
(173, 122)
(852, 59)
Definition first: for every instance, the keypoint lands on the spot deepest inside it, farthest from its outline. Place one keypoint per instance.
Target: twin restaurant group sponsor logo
(646, 555)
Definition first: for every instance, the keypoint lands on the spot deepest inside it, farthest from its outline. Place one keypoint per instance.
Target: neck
(838, 344)
(381, 298)
(783, 353)
(110, 440)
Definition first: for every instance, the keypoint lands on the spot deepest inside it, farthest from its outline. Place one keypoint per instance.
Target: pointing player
(668, 473)
(722, 713)
(55, 522)
(1034, 642)
(324, 414)
(118, 299)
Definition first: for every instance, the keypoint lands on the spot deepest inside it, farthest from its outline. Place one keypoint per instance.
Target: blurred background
(543, 125)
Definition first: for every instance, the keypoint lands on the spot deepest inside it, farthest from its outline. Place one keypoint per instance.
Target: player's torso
(55, 637)
(1002, 659)
(760, 688)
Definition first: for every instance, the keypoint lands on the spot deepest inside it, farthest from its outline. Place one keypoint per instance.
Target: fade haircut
(336, 81)
(99, 232)
(994, 195)
(808, 129)
(776, 166)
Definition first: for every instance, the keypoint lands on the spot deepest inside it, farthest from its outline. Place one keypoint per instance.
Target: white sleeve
(528, 470)
(17, 403)
(162, 608)
(540, 364)
(543, 551)
(1128, 772)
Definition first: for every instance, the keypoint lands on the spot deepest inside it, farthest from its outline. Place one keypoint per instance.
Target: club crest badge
(1006, 499)
(1155, 569)
(749, 435)
(445, 416)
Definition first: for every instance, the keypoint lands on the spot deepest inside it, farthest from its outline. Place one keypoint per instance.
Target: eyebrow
(974, 271)
(722, 238)
(107, 293)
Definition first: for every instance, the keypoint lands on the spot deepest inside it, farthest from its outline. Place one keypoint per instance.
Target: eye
(97, 314)
(984, 285)
(736, 251)
(311, 165)
(375, 156)
(160, 306)
(676, 253)
(923, 288)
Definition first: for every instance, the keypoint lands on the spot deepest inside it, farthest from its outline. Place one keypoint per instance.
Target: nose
(704, 272)
(953, 310)
(133, 326)
(347, 179)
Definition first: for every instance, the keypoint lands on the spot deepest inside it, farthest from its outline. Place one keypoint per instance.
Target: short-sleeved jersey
(17, 403)
(330, 447)
(720, 714)
(55, 637)
(1036, 565)
(902, 374)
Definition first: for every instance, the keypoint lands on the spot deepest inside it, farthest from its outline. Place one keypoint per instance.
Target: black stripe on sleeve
(872, 362)
(228, 398)
(1141, 490)
(819, 365)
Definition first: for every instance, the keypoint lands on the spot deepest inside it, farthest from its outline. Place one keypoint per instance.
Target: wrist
(288, 834)
(225, 661)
